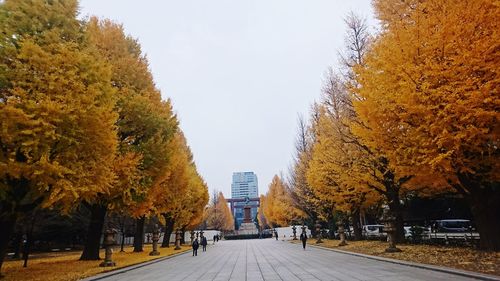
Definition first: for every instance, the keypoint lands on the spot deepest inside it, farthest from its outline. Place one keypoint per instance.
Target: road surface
(269, 259)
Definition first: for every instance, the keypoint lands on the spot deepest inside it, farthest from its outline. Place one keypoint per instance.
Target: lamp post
(177, 240)
(340, 225)
(156, 237)
(318, 232)
(109, 241)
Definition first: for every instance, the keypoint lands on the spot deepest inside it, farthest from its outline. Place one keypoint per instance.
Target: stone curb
(131, 267)
(465, 273)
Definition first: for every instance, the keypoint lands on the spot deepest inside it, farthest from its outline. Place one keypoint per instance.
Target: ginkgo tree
(261, 218)
(429, 99)
(343, 171)
(277, 205)
(218, 215)
(82, 123)
(170, 195)
(145, 124)
(57, 124)
(336, 174)
(303, 196)
(190, 213)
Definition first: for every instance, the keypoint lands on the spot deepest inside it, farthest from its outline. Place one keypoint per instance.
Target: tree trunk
(122, 244)
(27, 247)
(139, 234)
(485, 208)
(183, 236)
(332, 227)
(7, 224)
(29, 239)
(397, 211)
(169, 228)
(94, 232)
(356, 225)
(18, 244)
(310, 223)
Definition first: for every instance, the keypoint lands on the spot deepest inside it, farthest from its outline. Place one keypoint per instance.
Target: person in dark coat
(204, 243)
(195, 247)
(303, 238)
(276, 234)
(214, 238)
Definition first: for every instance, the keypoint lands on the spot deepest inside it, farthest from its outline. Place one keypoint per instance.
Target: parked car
(373, 231)
(416, 232)
(453, 226)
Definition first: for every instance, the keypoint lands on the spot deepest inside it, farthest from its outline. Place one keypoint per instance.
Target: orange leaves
(277, 205)
(81, 119)
(126, 186)
(168, 193)
(422, 100)
(66, 266)
(182, 194)
(431, 74)
(218, 215)
(153, 158)
(58, 129)
(339, 171)
(464, 258)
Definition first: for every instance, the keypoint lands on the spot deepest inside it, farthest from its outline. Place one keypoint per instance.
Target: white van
(373, 231)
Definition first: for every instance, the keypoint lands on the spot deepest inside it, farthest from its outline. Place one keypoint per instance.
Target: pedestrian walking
(214, 238)
(195, 247)
(303, 238)
(276, 234)
(204, 243)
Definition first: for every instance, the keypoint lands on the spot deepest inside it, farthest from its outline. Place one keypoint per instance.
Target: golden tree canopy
(430, 90)
(277, 205)
(218, 215)
(57, 135)
(146, 124)
(428, 100)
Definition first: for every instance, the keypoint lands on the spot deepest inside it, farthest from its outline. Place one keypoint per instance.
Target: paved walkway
(269, 259)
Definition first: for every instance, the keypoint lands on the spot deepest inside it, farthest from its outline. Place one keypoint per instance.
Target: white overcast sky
(238, 72)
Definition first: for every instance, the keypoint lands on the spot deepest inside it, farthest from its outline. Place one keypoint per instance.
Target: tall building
(244, 185)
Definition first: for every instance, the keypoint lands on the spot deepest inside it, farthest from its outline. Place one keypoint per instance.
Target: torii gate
(232, 202)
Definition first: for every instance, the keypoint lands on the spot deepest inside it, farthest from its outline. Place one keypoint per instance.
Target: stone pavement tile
(287, 274)
(237, 278)
(226, 269)
(307, 277)
(254, 276)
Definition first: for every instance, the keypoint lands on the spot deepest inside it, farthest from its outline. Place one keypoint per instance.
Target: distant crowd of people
(203, 243)
(303, 238)
(196, 244)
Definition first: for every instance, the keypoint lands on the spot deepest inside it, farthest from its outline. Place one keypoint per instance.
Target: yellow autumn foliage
(277, 206)
(218, 215)
(67, 267)
(82, 123)
(429, 99)
(58, 138)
